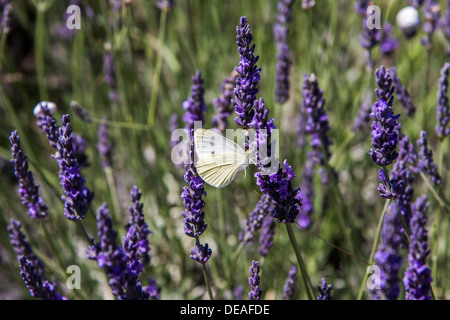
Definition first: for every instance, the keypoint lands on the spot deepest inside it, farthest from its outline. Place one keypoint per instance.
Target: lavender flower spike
(403, 94)
(267, 235)
(48, 124)
(195, 106)
(104, 145)
(417, 278)
(425, 161)
(247, 81)
(77, 197)
(290, 285)
(443, 108)
(28, 190)
(253, 280)
(325, 291)
(223, 104)
(384, 133)
(431, 14)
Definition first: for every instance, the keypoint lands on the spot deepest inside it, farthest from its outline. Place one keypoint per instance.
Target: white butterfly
(220, 160)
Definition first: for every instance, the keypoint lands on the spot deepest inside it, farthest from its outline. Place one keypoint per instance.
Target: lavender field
(99, 100)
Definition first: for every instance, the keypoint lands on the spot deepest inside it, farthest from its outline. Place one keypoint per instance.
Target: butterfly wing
(219, 170)
(209, 142)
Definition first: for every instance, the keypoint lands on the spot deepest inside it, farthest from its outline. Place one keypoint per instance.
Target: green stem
(208, 286)
(113, 193)
(437, 194)
(305, 277)
(374, 247)
(159, 60)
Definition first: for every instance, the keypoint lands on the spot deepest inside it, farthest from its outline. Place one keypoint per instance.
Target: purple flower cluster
(267, 235)
(388, 257)
(28, 190)
(384, 127)
(324, 291)
(388, 44)
(109, 76)
(7, 9)
(195, 106)
(255, 219)
(416, 3)
(223, 104)
(425, 161)
(402, 94)
(280, 31)
(246, 83)
(443, 108)
(417, 277)
(119, 267)
(254, 280)
(307, 190)
(431, 16)
(389, 188)
(104, 145)
(48, 125)
(290, 285)
(77, 197)
(32, 268)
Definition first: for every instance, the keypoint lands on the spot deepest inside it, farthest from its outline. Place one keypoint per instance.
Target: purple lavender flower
(135, 243)
(165, 4)
(416, 3)
(112, 258)
(223, 104)
(48, 125)
(80, 112)
(267, 235)
(361, 7)
(445, 24)
(247, 81)
(77, 197)
(443, 109)
(6, 17)
(402, 94)
(254, 280)
(369, 39)
(431, 16)
(195, 106)
(22, 247)
(278, 186)
(201, 253)
(384, 134)
(324, 291)
(317, 121)
(425, 161)
(388, 44)
(44, 290)
(255, 219)
(290, 285)
(307, 190)
(104, 145)
(79, 146)
(389, 189)
(280, 30)
(109, 76)
(308, 4)
(418, 278)
(263, 127)
(363, 116)
(28, 190)
(388, 257)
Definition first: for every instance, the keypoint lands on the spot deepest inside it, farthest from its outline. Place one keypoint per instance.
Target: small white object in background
(50, 106)
(409, 21)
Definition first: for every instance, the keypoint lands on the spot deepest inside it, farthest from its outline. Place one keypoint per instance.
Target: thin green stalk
(156, 76)
(208, 286)
(437, 194)
(39, 45)
(305, 277)
(223, 236)
(117, 216)
(374, 247)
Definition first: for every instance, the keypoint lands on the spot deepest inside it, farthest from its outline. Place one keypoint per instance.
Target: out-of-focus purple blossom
(223, 104)
(267, 235)
(246, 83)
(445, 24)
(389, 189)
(109, 76)
(116, 5)
(307, 190)
(278, 186)
(388, 44)
(317, 120)
(255, 219)
(263, 127)
(280, 31)
(363, 117)
(79, 146)
(195, 106)
(104, 145)
(402, 94)
(369, 38)
(42, 289)
(417, 279)
(431, 15)
(22, 247)
(416, 3)
(77, 197)
(48, 125)
(201, 253)
(443, 108)
(254, 279)
(112, 258)
(384, 133)
(290, 285)
(7, 16)
(80, 112)
(361, 7)
(28, 190)
(135, 243)
(425, 161)
(165, 4)
(308, 4)
(238, 292)
(324, 291)
(388, 257)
